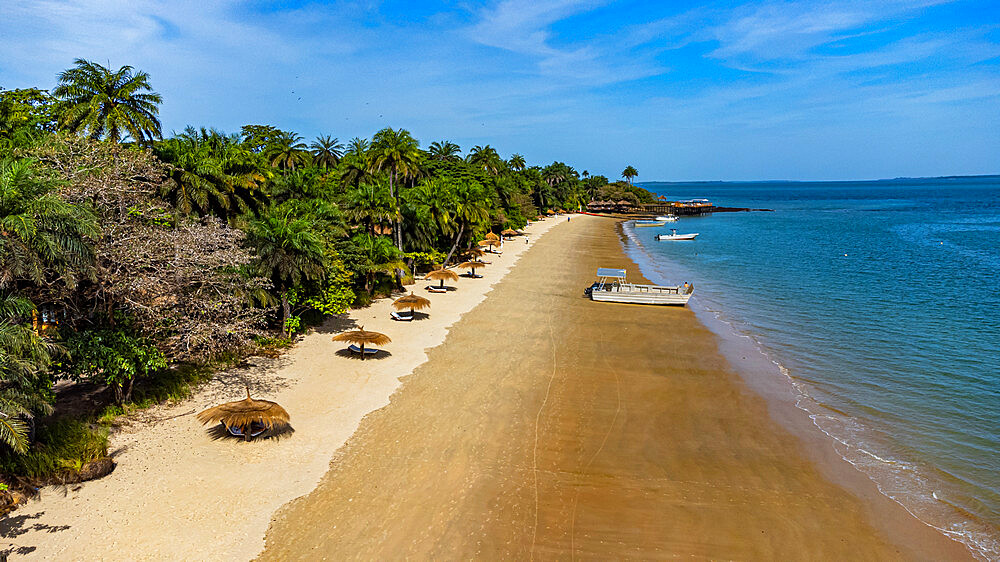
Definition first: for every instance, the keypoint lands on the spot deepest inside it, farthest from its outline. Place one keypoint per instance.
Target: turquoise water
(880, 302)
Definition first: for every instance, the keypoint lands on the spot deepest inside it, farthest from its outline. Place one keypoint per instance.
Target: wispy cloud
(667, 86)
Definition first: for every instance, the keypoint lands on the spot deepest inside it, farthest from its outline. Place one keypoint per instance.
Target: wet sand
(550, 426)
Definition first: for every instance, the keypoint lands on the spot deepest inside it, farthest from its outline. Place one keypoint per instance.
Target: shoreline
(168, 463)
(529, 455)
(768, 378)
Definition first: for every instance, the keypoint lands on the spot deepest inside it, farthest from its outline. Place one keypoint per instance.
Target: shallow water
(880, 301)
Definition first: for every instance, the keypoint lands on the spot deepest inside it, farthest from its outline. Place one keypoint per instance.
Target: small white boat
(611, 286)
(649, 223)
(674, 236)
(667, 218)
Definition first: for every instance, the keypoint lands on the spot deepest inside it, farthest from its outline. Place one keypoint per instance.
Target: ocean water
(879, 303)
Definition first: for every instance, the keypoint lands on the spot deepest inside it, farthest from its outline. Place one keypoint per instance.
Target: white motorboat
(674, 236)
(667, 218)
(611, 286)
(639, 224)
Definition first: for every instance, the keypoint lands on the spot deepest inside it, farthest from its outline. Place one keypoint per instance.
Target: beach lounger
(368, 350)
(436, 289)
(473, 275)
(237, 431)
(401, 317)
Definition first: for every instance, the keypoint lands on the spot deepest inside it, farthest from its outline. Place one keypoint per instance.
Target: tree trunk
(286, 312)
(128, 391)
(458, 239)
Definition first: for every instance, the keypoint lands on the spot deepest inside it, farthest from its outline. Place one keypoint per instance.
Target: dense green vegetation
(127, 256)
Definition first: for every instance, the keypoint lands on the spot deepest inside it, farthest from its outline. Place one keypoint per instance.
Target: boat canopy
(609, 272)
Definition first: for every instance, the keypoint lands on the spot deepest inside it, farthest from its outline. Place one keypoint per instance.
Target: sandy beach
(549, 426)
(177, 494)
(546, 426)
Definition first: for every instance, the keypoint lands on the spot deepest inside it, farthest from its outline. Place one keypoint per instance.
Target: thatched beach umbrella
(489, 242)
(411, 301)
(243, 414)
(361, 338)
(492, 236)
(442, 275)
(475, 252)
(510, 232)
(472, 265)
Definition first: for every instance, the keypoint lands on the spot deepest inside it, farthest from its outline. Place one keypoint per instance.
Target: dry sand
(177, 494)
(549, 426)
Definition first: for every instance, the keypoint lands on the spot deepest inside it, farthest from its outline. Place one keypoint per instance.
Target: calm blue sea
(880, 303)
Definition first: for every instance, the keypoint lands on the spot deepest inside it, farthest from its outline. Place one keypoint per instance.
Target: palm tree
(471, 209)
(516, 162)
(486, 159)
(212, 173)
(358, 147)
(287, 151)
(395, 153)
(106, 103)
(289, 251)
(369, 206)
(42, 237)
(444, 151)
(433, 203)
(24, 356)
(326, 151)
(628, 173)
(379, 256)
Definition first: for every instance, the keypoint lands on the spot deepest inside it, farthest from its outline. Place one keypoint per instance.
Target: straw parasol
(475, 252)
(492, 236)
(411, 301)
(442, 275)
(471, 265)
(243, 413)
(510, 232)
(362, 337)
(489, 242)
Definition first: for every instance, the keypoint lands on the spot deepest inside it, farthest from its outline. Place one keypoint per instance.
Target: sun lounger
(436, 289)
(473, 275)
(237, 431)
(401, 317)
(368, 350)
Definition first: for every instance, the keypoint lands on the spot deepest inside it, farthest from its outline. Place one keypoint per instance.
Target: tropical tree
(486, 158)
(444, 151)
(108, 104)
(287, 152)
(212, 173)
(378, 255)
(289, 252)
(369, 206)
(472, 208)
(516, 162)
(433, 204)
(24, 361)
(43, 238)
(395, 152)
(358, 147)
(326, 151)
(628, 173)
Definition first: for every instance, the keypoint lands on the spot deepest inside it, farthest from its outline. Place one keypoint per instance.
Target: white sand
(177, 494)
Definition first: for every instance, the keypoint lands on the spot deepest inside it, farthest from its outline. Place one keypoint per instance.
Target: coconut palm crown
(108, 104)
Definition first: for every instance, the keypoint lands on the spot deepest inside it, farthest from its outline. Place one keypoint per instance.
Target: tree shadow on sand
(336, 324)
(14, 526)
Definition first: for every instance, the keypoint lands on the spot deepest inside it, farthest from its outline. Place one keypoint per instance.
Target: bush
(63, 445)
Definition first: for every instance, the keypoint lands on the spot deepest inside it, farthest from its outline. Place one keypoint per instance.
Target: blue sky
(680, 90)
